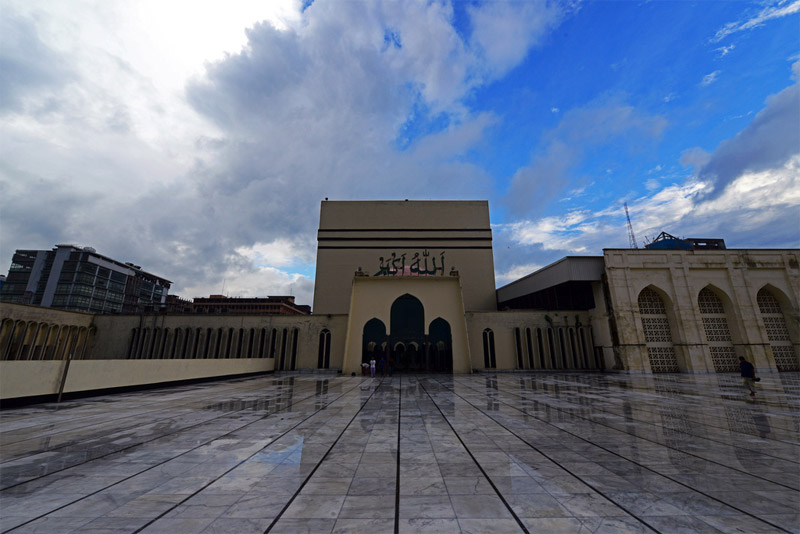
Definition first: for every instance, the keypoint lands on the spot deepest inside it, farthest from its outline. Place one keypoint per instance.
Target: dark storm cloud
(27, 65)
(766, 143)
(31, 210)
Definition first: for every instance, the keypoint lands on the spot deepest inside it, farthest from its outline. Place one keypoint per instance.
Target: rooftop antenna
(631, 237)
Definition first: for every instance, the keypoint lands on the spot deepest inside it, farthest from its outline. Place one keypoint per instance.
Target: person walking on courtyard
(372, 367)
(364, 367)
(748, 375)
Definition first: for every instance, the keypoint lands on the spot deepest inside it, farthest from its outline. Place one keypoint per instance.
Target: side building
(75, 278)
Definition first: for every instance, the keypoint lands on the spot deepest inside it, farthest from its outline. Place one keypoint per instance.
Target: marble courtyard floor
(510, 452)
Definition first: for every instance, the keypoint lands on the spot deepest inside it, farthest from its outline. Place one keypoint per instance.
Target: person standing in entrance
(748, 375)
(372, 366)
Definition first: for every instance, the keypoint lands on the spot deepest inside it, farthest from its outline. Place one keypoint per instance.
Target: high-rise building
(79, 279)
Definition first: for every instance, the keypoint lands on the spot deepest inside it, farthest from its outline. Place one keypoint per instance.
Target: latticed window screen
(657, 333)
(777, 332)
(718, 335)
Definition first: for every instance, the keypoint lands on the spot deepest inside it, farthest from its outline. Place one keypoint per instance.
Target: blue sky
(197, 139)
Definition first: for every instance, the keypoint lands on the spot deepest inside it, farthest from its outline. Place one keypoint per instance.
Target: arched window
(324, 356)
(251, 342)
(273, 342)
(563, 349)
(132, 344)
(540, 346)
(489, 357)
(529, 345)
(284, 337)
(198, 336)
(585, 354)
(262, 342)
(552, 348)
(778, 335)
(208, 343)
(295, 333)
(657, 332)
(718, 335)
(574, 350)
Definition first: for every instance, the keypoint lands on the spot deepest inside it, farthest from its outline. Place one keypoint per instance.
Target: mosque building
(413, 282)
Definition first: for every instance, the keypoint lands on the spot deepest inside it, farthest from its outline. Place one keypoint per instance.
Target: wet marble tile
(567, 452)
(364, 526)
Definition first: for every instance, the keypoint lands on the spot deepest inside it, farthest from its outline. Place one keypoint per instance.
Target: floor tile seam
(725, 428)
(634, 462)
(311, 474)
(135, 405)
(599, 423)
(692, 416)
(160, 463)
(721, 443)
(733, 385)
(477, 464)
(580, 478)
(767, 456)
(241, 462)
(118, 430)
(396, 523)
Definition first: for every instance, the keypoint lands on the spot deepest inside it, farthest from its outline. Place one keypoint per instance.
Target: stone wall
(703, 292)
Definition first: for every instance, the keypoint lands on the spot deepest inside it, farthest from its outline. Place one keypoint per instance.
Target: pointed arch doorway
(407, 345)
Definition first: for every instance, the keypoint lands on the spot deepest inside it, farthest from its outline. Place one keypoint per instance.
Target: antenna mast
(631, 237)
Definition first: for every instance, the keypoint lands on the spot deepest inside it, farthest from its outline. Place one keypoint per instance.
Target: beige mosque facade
(412, 283)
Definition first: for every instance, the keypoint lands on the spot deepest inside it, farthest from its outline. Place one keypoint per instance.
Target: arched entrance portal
(373, 340)
(407, 346)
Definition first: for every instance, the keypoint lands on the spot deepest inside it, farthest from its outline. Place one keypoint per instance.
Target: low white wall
(30, 378)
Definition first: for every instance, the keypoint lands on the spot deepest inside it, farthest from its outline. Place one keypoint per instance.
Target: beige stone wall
(32, 378)
(678, 276)
(373, 298)
(573, 355)
(358, 234)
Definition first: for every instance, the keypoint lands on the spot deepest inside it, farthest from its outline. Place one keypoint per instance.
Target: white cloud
(778, 10)
(280, 252)
(710, 78)
(755, 210)
(284, 106)
(725, 50)
(516, 272)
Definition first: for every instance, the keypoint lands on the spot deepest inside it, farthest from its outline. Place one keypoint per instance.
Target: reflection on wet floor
(508, 452)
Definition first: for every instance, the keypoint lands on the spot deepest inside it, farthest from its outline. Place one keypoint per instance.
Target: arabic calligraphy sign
(418, 265)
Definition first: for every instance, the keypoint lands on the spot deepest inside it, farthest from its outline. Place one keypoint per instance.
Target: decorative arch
(440, 357)
(718, 333)
(407, 319)
(373, 335)
(324, 356)
(775, 324)
(657, 332)
(293, 360)
(489, 356)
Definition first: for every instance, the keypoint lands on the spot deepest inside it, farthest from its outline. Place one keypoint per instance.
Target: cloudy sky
(197, 138)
